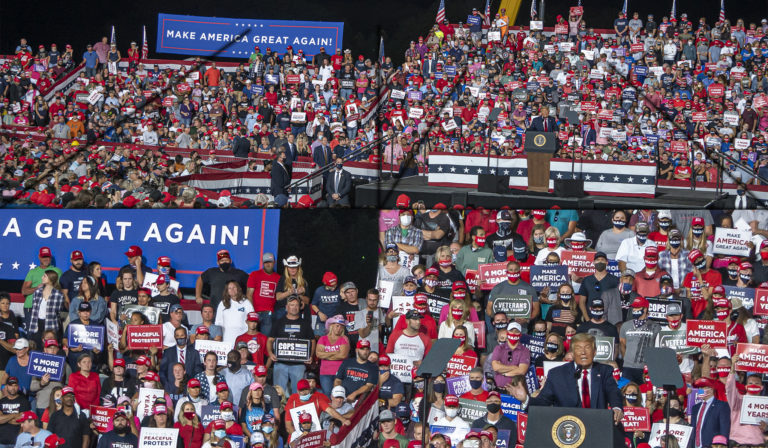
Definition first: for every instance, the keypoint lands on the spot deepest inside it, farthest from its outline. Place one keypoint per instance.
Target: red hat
(118, 362)
(420, 300)
(67, 390)
(304, 417)
(219, 424)
(403, 201)
(260, 370)
(223, 253)
(694, 254)
(26, 415)
(44, 252)
(221, 386)
(51, 343)
(652, 251)
(703, 382)
(640, 302)
(193, 382)
(745, 265)
(76, 255)
(252, 317)
(161, 279)
(302, 385)
(734, 260)
(133, 251)
(432, 271)
(329, 279)
(719, 290)
(384, 360)
(452, 401)
(143, 361)
(493, 393)
(146, 291)
(763, 244)
(721, 302)
(164, 261)
(363, 343)
(440, 206)
(151, 376)
(696, 221)
(225, 405)
(53, 440)
(458, 285)
(202, 329)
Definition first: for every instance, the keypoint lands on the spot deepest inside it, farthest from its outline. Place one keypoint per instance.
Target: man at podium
(582, 383)
(543, 123)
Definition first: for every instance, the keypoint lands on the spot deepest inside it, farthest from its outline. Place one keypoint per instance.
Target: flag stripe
(440, 12)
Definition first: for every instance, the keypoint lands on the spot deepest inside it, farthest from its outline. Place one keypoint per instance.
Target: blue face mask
(625, 288)
(305, 397)
(674, 243)
(409, 293)
(267, 429)
(220, 433)
(740, 192)
(641, 239)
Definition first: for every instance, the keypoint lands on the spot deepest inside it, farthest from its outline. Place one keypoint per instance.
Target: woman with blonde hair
(552, 240)
(292, 282)
(457, 316)
(465, 349)
(190, 428)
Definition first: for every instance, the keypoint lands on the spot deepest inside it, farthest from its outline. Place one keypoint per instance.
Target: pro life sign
(731, 241)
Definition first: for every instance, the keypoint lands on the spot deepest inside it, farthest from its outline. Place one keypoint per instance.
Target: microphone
(577, 373)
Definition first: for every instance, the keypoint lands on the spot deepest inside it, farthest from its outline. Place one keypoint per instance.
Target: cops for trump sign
(236, 38)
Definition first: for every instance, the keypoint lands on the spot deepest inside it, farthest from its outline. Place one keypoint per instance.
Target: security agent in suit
(741, 201)
(543, 123)
(241, 145)
(291, 151)
(280, 178)
(564, 384)
(173, 355)
(716, 416)
(338, 186)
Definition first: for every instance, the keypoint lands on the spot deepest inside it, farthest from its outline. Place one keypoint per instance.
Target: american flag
(440, 12)
(113, 39)
(722, 11)
(487, 13)
(673, 13)
(144, 46)
(534, 13)
(624, 8)
(381, 49)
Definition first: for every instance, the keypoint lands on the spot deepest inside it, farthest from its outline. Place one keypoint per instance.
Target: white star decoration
(32, 266)
(493, 171)
(559, 176)
(15, 266)
(615, 178)
(631, 179)
(479, 171)
(602, 177)
(645, 180)
(587, 177)
(519, 172)
(466, 170)
(440, 168)
(453, 169)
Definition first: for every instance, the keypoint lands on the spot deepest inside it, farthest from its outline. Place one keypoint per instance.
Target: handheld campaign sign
(143, 337)
(221, 349)
(205, 36)
(43, 363)
(158, 437)
(89, 336)
(293, 350)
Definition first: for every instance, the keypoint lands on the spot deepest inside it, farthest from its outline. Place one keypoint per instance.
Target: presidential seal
(539, 140)
(568, 432)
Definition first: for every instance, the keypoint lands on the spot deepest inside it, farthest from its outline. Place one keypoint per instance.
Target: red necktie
(545, 125)
(699, 422)
(181, 356)
(585, 400)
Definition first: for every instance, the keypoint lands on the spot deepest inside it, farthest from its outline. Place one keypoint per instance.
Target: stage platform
(383, 194)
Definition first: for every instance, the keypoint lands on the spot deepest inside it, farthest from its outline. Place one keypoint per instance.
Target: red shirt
(257, 346)
(264, 286)
(428, 326)
(87, 390)
(710, 279)
(482, 396)
(192, 437)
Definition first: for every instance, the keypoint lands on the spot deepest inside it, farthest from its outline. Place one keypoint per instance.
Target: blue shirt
(561, 218)
(14, 369)
(25, 439)
(91, 59)
(326, 300)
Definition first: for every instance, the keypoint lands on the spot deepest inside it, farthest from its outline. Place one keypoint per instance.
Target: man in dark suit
(741, 201)
(323, 156)
(543, 123)
(280, 178)
(565, 385)
(291, 151)
(241, 146)
(182, 352)
(711, 417)
(339, 185)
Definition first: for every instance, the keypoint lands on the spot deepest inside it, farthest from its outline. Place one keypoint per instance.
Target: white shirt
(581, 379)
(232, 320)
(633, 254)
(169, 340)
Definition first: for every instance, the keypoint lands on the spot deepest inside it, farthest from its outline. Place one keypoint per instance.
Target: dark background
(399, 21)
(344, 242)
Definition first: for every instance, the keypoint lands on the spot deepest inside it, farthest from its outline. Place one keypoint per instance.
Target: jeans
(90, 72)
(265, 322)
(283, 373)
(326, 383)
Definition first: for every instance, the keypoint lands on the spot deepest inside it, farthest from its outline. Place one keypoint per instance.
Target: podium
(550, 427)
(539, 148)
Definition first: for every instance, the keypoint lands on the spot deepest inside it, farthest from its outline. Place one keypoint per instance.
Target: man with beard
(262, 285)
(70, 280)
(217, 278)
(121, 435)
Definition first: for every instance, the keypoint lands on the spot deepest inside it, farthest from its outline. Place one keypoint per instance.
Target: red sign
(492, 274)
(605, 114)
(580, 263)
(311, 440)
(168, 101)
(752, 358)
(292, 79)
(522, 425)
(479, 333)
(702, 332)
(577, 10)
(699, 117)
(471, 278)
(143, 337)
(183, 87)
(716, 90)
(678, 146)
(148, 93)
(101, 416)
(637, 48)
(761, 302)
(588, 106)
(460, 365)
(636, 419)
(561, 29)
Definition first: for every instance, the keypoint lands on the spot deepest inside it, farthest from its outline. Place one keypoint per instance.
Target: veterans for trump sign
(235, 38)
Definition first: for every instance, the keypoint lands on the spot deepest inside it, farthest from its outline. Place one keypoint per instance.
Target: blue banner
(510, 406)
(89, 336)
(207, 36)
(190, 238)
(42, 363)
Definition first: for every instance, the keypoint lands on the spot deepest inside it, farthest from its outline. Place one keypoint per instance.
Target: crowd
(270, 359)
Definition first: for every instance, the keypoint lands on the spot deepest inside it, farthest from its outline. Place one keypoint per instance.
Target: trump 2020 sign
(190, 238)
(236, 38)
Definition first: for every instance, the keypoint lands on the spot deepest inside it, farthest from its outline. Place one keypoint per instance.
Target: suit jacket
(241, 147)
(717, 422)
(537, 124)
(192, 363)
(322, 157)
(730, 203)
(279, 179)
(562, 388)
(344, 187)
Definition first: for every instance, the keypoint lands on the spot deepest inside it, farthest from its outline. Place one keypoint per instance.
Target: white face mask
(405, 220)
(227, 416)
(451, 412)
